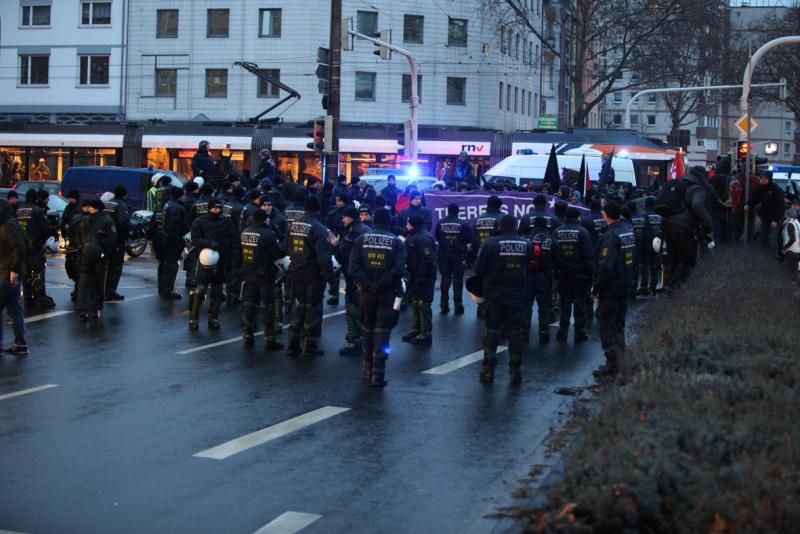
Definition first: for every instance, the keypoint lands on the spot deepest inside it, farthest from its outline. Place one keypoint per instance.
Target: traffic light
(322, 72)
(317, 133)
(383, 52)
(741, 150)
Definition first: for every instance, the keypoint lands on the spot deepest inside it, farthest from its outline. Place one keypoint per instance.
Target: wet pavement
(134, 424)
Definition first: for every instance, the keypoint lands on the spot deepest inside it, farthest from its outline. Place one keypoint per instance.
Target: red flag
(677, 169)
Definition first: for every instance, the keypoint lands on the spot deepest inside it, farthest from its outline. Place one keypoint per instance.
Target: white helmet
(209, 257)
(356, 204)
(199, 181)
(156, 177)
(336, 265)
(657, 245)
(476, 299)
(439, 183)
(187, 239)
(105, 197)
(51, 244)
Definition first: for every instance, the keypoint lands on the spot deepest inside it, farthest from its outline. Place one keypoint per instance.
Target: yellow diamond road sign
(742, 124)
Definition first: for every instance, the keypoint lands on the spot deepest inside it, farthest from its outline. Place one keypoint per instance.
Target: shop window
(94, 70)
(167, 23)
(95, 13)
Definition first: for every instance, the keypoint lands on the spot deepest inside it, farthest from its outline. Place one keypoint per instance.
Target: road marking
(27, 392)
(239, 338)
(469, 359)
(14, 532)
(132, 299)
(259, 437)
(44, 316)
(287, 523)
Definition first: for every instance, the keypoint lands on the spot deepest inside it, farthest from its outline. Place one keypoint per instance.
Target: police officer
(421, 266)
(232, 209)
(416, 208)
(309, 249)
(171, 226)
(215, 232)
(455, 237)
(71, 211)
(486, 225)
(163, 192)
(33, 221)
(641, 231)
(96, 236)
(575, 268)
(251, 205)
(353, 228)
(295, 210)
(117, 211)
(503, 263)
(200, 206)
(539, 210)
(377, 262)
(616, 258)
(202, 162)
(650, 260)
(260, 249)
(333, 220)
(594, 222)
(541, 270)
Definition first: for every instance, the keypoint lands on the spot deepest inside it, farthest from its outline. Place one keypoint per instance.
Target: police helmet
(199, 181)
(51, 244)
(209, 257)
(474, 286)
(657, 245)
(156, 178)
(336, 265)
(106, 197)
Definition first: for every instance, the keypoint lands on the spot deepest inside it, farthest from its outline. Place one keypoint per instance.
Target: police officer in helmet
(421, 266)
(353, 228)
(455, 237)
(541, 271)
(574, 274)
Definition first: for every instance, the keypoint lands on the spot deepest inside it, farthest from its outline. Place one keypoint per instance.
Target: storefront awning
(191, 142)
(61, 140)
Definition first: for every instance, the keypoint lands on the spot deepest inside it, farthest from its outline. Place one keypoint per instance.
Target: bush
(699, 431)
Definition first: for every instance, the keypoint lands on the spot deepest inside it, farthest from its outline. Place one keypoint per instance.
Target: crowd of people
(273, 247)
(12, 171)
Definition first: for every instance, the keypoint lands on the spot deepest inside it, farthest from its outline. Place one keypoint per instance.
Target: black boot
(544, 337)
(487, 374)
(294, 344)
(310, 348)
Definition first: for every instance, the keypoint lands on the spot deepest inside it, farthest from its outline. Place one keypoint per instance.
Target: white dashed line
(27, 392)
(288, 523)
(464, 361)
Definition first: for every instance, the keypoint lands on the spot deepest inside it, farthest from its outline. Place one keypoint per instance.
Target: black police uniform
(117, 211)
(616, 258)
(526, 224)
(333, 220)
(455, 237)
(95, 236)
(575, 268)
(310, 252)
(342, 252)
(33, 221)
(233, 279)
(596, 225)
(217, 233)
(421, 267)
(641, 232)
(541, 269)
(410, 211)
(71, 211)
(503, 263)
(377, 262)
(247, 212)
(199, 208)
(171, 226)
(260, 249)
(650, 260)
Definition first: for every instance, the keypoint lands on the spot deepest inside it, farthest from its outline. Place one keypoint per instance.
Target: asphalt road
(134, 424)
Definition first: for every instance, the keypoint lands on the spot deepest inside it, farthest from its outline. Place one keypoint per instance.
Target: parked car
(379, 182)
(55, 204)
(92, 182)
(51, 186)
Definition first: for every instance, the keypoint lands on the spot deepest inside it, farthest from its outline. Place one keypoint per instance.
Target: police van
(525, 170)
(783, 174)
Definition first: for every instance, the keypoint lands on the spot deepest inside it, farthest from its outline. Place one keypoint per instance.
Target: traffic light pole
(334, 89)
(414, 141)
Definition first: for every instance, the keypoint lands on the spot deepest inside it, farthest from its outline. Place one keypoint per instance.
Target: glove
(710, 242)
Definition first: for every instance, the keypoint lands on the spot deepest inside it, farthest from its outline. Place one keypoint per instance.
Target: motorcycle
(140, 226)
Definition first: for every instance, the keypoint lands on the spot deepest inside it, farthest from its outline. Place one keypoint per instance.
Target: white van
(521, 170)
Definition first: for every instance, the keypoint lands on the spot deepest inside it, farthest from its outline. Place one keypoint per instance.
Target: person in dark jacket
(12, 266)
(542, 269)
(71, 211)
(681, 230)
(171, 226)
(455, 238)
(575, 271)
(720, 214)
(353, 228)
(233, 209)
(421, 266)
(377, 264)
(215, 232)
(650, 260)
(415, 208)
(13, 201)
(768, 198)
(117, 210)
(266, 166)
(260, 249)
(594, 222)
(539, 210)
(390, 192)
(202, 162)
(96, 236)
(333, 220)
(200, 205)
(641, 231)
(310, 252)
(33, 221)
(615, 273)
(503, 264)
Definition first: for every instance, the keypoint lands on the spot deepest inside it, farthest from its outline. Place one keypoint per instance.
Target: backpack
(671, 198)
(536, 262)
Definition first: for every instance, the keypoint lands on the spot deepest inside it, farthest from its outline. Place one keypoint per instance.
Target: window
(617, 97)
(500, 101)
(651, 98)
(651, 120)
(166, 82)
(787, 127)
(217, 82)
(406, 89)
(367, 22)
(617, 119)
(456, 91)
(516, 46)
(502, 40)
(516, 97)
(167, 23)
(787, 150)
(217, 23)
(94, 70)
(33, 70)
(457, 32)
(522, 104)
(266, 89)
(35, 15)
(95, 13)
(365, 85)
(530, 112)
(634, 120)
(413, 26)
(508, 97)
(270, 25)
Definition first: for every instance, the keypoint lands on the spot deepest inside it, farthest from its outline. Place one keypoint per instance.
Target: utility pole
(334, 89)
